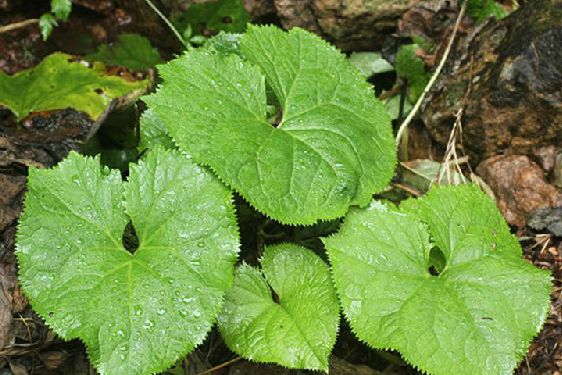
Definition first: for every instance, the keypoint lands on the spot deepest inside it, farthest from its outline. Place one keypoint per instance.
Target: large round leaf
(296, 328)
(474, 313)
(332, 148)
(137, 312)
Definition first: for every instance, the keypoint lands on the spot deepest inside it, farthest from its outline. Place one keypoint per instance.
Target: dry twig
(414, 110)
(18, 25)
(227, 363)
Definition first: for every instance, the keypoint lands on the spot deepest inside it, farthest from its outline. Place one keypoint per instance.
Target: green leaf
(370, 63)
(130, 50)
(47, 23)
(61, 8)
(426, 44)
(136, 312)
(153, 133)
(392, 105)
(412, 69)
(481, 10)
(421, 174)
(476, 317)
(454, 230)
(61, 82)
(297, 331)
(213, 16)
(225, 44)
(333, 147)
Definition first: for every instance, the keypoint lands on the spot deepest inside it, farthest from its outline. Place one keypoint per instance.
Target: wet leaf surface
(59, 82)
(153, 306)
(287, 314)
(317, 161)
(476, 314)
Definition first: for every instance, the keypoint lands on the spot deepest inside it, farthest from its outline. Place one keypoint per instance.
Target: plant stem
(414, 111)
(174, 30)
(220, 366)
(18, 25)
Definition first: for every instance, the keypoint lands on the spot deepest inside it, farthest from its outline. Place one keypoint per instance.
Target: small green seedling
(412, 69)
(201, 21)
(60, 10)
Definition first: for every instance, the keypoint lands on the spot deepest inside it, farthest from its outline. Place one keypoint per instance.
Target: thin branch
(451, 159)
(414, 111)
(407, 189)
(18, 25)
(174, 30)
(227, 363)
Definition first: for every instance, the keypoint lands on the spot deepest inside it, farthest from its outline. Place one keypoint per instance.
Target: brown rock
(256, 8)
(557, 169)
(519, 186)
(546, 157)
(12, 188)
(298, 13)
(259, 8)
(350, 24)
(428, 19)
(507, 77)
(103, 7)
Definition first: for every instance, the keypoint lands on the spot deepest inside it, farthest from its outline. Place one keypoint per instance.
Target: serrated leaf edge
(45, 316)
(263, 276)
(520, 354)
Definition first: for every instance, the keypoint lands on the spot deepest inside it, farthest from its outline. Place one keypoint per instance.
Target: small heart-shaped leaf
(470, 309)
(288, 313)
(137, 312)
(332, 148)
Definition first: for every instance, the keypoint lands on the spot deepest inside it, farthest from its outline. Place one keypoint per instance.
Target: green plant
(412, 69)
(131, 50)
(138, 308)
(266, 310)
(60, 10)
(61, 81)
(480, 10)
(409, 68)
(313, 164)
(441, 280)
(139, 270)
(201, 21)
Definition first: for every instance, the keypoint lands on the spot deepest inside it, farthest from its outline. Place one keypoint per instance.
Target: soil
(28, 346)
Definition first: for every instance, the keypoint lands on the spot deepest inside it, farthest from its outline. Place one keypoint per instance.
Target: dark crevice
(275, 296)
(130, 240)
(437, 262)
(433, 271)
